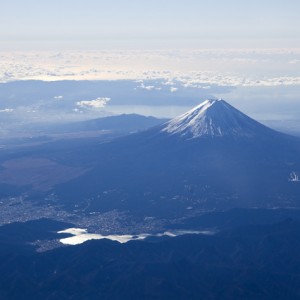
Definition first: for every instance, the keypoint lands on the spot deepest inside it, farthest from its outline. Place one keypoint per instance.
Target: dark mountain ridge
(124, 123)
(248, 262)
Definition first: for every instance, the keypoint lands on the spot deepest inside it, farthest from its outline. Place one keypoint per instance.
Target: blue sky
(93, 24)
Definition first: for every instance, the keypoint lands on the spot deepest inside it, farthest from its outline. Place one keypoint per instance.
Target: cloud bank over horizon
(75, 85)
(223, 67)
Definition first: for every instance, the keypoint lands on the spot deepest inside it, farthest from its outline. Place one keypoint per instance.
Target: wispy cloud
(148, 87)
(6, 110)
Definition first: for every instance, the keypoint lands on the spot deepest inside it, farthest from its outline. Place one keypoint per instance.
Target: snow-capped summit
(214, 118)
(210, 158)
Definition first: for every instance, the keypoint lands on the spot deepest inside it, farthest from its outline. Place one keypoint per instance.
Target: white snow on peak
(212, 118)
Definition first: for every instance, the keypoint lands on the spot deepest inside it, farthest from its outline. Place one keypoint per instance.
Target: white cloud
(58, 97)
(295, 61)
(173, 89)
(223, 67)
(77, 110)
(169, 82)
(6, 110)
(96, 103)
(149, 87)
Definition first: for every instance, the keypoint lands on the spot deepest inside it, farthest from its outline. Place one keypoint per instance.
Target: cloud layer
(225, 67)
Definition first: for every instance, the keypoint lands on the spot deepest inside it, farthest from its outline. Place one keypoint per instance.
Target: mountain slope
(212, 158)
(214, 118)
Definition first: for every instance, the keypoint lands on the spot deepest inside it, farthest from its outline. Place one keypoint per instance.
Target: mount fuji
(213, 157)
(214, 118)
(183, 178)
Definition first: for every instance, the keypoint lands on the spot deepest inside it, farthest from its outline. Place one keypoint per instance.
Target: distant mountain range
(121, 124)
(104, 127)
